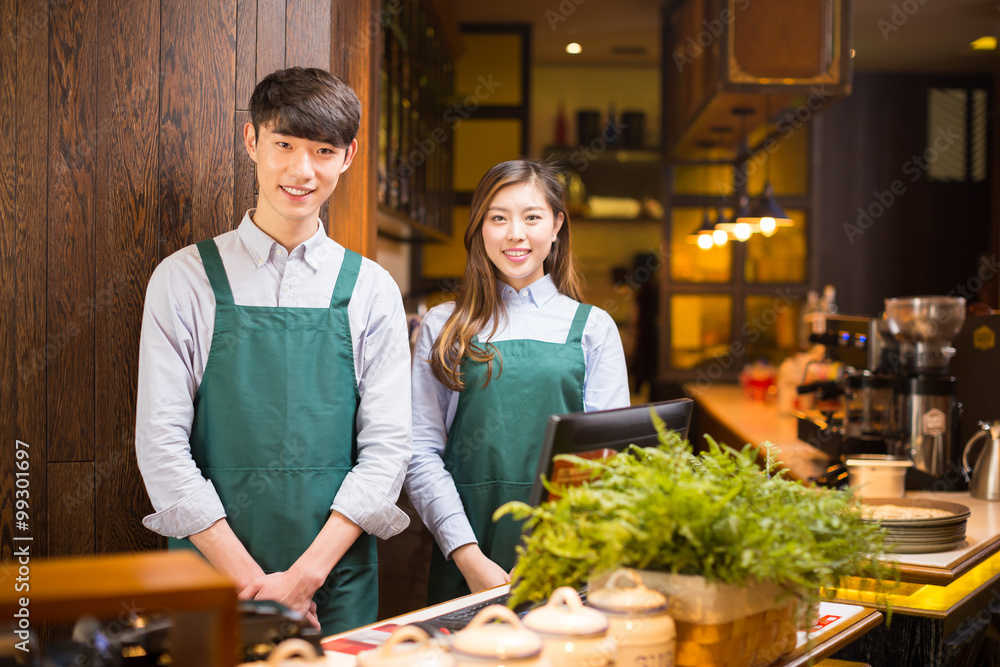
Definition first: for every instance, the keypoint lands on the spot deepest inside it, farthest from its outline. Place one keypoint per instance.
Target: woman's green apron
(493, 444)
(275, 430)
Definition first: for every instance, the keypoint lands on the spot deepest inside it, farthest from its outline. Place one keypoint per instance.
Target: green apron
(275, 430)
(494, 441)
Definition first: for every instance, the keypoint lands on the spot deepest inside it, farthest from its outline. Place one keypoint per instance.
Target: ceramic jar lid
(407, 646)
(506, 640)
(564, 614)
(625, 593)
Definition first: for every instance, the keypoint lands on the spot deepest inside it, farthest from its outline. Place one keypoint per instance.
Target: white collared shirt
(177, 326)
(537, 312)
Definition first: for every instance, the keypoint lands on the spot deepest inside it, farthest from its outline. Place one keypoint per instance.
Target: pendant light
(720, 236)
(737, 226)
(766, 215)
(703, 235)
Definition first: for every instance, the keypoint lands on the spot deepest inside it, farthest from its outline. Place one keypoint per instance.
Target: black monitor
(580, 432)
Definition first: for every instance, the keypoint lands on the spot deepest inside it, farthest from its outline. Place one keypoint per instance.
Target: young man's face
(295, 176)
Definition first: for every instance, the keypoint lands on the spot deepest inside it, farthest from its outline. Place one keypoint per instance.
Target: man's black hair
(308, 103)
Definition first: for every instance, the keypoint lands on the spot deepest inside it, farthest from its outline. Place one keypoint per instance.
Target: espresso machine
(856, 412)
(926, 393)
(894, 395)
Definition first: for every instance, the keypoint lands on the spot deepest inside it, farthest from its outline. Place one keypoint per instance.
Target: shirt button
(524, 293)
(287, 288)
(517, 310)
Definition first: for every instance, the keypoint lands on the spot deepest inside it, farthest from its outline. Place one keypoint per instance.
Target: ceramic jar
(506, 643)
(573, 635)
(408, 646)
(643, 632)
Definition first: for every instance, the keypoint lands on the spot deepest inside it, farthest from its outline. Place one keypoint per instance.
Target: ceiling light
(703, 235)
(767, 206)
(720, 236)
(573, 48)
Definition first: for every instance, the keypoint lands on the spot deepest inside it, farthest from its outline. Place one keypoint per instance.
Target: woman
(515, 347)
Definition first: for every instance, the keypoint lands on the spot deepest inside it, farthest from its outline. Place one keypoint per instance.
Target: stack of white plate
(924, 535)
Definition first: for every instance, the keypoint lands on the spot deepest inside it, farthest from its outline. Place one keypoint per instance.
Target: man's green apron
(275, 430)
(493, 444)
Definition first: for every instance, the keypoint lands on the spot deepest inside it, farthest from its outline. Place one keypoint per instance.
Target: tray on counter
(923, 534)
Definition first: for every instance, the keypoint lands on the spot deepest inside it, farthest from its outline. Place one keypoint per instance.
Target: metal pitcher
(985, 482)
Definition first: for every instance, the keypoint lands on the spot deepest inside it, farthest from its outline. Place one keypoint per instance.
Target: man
(273, 411)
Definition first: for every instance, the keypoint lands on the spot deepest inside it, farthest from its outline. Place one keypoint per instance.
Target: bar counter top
(757, 423)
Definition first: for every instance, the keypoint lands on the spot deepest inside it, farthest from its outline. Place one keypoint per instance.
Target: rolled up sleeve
(369, 492)
(185, 502)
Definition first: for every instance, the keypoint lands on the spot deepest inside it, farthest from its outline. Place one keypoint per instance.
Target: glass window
(771, 326)
(782, 258)
(782, 159)
(480, 144)
(688, 262)
(700, 329)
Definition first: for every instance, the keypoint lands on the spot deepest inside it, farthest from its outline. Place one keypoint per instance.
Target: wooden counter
(728, 414)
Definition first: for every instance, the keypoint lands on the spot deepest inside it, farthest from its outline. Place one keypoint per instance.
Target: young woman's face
(518, 233)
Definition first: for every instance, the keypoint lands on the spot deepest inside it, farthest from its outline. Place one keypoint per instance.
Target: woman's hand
(479, 571)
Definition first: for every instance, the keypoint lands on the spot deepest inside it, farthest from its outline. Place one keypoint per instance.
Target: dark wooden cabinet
(723, 54)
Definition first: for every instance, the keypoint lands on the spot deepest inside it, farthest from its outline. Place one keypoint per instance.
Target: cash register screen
(601, 434)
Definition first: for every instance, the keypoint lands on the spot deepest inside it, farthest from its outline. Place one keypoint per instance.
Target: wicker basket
(725, 625)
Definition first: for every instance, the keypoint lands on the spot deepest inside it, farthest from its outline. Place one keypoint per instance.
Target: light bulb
(573, 48)
(720, 237)
(768, 226)
(742, 231)
(705, 241)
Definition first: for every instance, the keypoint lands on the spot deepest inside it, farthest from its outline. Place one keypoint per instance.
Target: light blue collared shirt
(177, 326)
(537, 312)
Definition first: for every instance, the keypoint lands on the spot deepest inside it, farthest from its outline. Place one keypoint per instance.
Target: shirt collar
(261, 245)
(539, 292)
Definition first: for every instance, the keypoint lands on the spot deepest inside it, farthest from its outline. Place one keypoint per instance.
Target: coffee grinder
(926, 393)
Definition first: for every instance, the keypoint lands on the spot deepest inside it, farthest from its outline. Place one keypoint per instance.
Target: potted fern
(709, 529)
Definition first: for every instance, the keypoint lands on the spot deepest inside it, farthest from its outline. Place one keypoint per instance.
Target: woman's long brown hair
(477, 300)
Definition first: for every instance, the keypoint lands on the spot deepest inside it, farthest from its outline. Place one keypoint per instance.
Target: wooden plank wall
(116, 151)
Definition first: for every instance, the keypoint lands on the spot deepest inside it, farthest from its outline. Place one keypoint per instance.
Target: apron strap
(346, 279)
(579, 322)
(216, 272)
